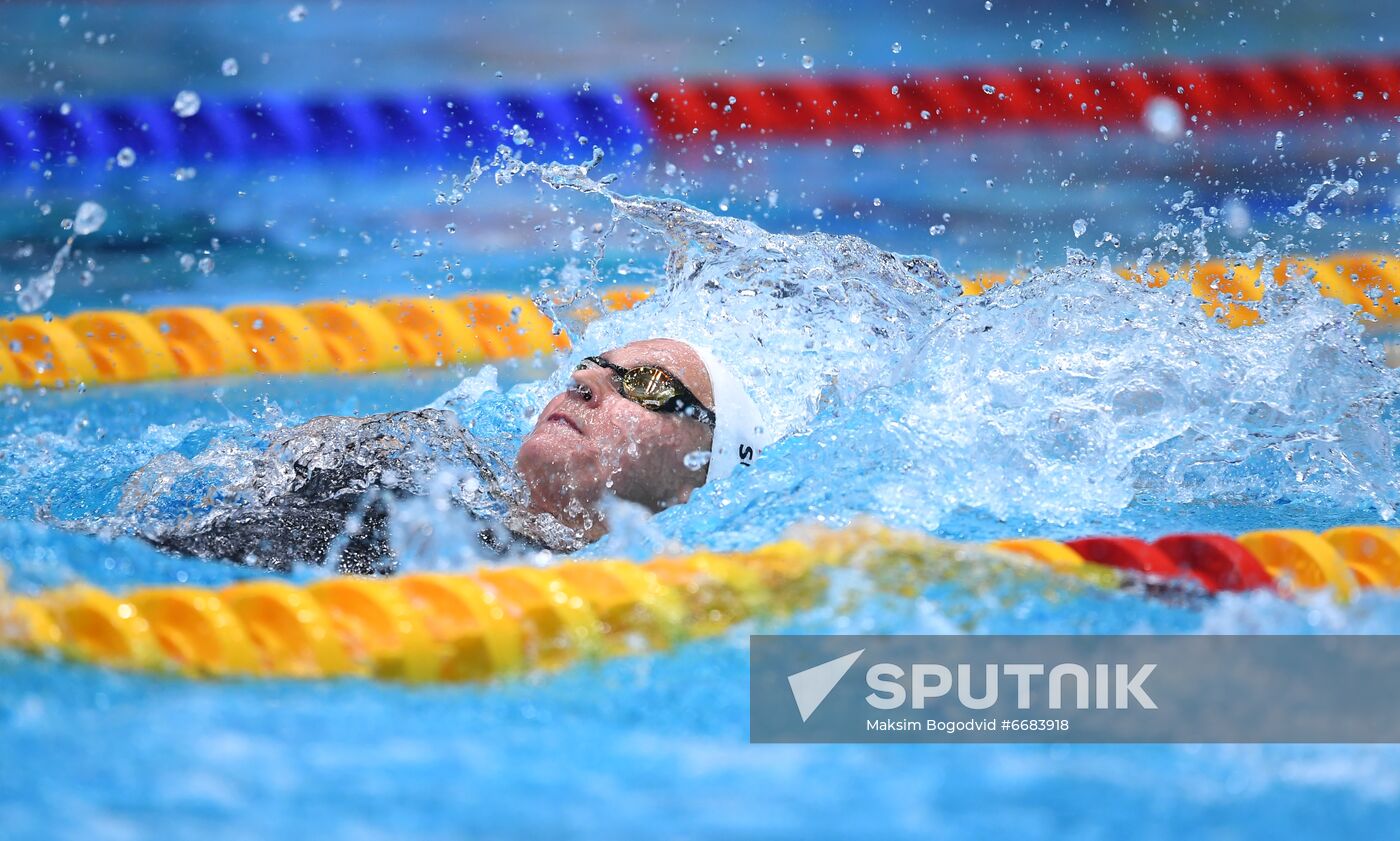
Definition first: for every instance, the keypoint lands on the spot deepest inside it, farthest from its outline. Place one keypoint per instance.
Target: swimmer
(647, 423)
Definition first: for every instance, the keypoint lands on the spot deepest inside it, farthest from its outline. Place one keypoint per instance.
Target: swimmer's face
(591, 441)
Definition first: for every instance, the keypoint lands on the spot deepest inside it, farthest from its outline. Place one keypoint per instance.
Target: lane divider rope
(1031, 97)
(117, 346)
(359, 126)
(425, 627)
(348, 125)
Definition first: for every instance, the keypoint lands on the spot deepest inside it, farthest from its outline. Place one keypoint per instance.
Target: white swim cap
(740, 428)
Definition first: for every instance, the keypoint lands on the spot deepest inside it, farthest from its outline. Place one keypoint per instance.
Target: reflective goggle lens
(651, 387)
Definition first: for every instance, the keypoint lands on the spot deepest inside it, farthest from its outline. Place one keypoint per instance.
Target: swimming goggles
(655, 389)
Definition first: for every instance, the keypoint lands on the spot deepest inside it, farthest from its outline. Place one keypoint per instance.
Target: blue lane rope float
(279, 127)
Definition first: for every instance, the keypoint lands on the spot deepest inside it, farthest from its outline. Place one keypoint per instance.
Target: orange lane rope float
(426, 627)
(320, 337)
(116, 346)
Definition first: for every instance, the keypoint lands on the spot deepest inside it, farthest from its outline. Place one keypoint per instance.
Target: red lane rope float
(1130, 553)
(1217, 561)
(1044, 97)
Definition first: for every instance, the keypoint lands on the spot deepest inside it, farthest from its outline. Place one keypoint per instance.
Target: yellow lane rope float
(115, 346)
(427, 627)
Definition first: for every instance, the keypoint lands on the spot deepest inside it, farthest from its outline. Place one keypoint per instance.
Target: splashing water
(1072, 397)
(1066, 398)
(88, 220)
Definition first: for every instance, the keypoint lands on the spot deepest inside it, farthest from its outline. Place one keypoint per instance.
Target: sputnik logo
(811, 686)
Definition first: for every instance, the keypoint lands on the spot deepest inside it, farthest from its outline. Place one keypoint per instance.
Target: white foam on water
(1071, 394)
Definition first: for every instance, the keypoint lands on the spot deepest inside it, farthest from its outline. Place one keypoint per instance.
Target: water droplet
(186, 104)
(896, 48)
(817, 213)
(808, 61)
(1037, 44)
(1080, 226)
(988, 89)
(1315, 222)
(1235, 214)
(1278, 141)
(696, 460)
(126, 157)
(987, 5)
(857, 150)
(761, 61)
(229, 67)
(297, 14)
(1359, 95)
(937, 230)
(924, 115)
(206, 265)
(1164, 118)
(894, 89)
(89, 218)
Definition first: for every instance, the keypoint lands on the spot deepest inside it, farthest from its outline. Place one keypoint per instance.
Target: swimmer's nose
(590, 382)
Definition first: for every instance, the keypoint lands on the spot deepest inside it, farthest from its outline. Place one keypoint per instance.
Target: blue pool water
(1072, 404)
(1170, 423)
